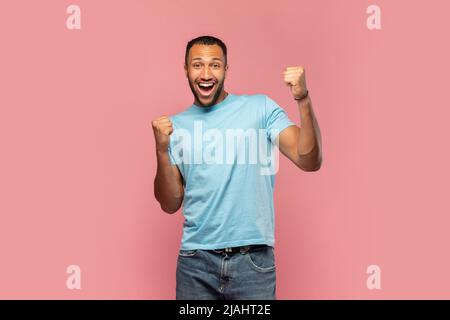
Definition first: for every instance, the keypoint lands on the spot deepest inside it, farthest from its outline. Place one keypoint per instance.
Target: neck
(222, 96)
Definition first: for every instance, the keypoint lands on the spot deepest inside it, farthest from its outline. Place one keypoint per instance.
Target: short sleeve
(276, 119)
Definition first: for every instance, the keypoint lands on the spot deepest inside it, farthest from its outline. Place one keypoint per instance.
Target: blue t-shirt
(228, 160)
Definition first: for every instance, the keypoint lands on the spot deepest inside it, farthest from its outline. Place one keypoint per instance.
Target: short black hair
(207, 40)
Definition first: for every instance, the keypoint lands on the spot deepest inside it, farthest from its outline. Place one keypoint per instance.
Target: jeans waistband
(241, 249)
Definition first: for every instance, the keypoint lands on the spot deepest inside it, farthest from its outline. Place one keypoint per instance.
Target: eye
(216, 65)
(196, 65)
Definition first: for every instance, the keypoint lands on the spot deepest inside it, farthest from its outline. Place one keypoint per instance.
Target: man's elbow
(311, 161)
(169, 210)
(316, 168)
(172, 207)
(310, 166)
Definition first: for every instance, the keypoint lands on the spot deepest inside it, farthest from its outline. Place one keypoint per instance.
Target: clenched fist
(294, 77)
(162, 128)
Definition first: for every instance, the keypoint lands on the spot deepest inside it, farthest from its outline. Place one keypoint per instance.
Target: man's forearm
(309, 144)
(168, 190)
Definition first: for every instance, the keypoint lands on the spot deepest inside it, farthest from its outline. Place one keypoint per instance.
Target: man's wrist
(303, 97)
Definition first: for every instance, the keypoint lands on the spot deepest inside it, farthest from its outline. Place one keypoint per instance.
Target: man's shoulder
(256, 99)
(179, 116)
(255, 96)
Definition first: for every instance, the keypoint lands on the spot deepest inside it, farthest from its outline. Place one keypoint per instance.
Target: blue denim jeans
(213, 275)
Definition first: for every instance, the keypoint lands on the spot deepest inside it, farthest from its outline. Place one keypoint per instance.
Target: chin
(206, 102)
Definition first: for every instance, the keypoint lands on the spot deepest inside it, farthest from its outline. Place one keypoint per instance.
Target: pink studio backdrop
(77, 151)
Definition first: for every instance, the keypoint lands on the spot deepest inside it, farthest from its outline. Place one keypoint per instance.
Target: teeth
(206, 85)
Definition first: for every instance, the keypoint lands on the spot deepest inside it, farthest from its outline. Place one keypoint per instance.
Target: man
(227, 249)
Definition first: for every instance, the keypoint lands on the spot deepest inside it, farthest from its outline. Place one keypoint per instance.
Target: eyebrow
(211, 59)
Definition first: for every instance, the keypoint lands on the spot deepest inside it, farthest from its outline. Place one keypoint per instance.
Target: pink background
(77, 152)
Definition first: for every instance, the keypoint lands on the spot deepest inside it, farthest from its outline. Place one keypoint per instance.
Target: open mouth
(206, 88)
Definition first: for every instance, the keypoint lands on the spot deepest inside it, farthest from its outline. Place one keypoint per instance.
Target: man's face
(206, 73)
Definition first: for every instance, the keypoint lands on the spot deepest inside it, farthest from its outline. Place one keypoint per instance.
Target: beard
(215, 97)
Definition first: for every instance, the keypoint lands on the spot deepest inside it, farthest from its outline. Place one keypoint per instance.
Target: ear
(185, 70)
(226, 69)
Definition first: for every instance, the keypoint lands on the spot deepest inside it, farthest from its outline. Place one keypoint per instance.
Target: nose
(206, 74)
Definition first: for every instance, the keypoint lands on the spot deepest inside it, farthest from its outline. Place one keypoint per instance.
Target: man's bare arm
(303, 146)
(168, 184)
